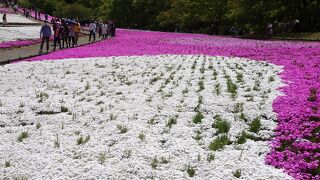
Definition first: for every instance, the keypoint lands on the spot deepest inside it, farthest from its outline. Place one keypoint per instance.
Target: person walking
(46, 17)
(113, 28)
(92, 29)
(65, 35)
(15, 8)
(57, 34)
(35, 15)
(77, 31)
(104, 30)
(72, 35)
(45, 34)
(100, 24)
(4, 20)
(39, 15)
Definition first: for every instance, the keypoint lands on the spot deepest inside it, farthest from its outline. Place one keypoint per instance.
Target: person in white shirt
(92, 29)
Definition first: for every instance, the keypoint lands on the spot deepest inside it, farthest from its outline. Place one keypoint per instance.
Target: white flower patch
(16, 18)
(19, 33)
(139, 117)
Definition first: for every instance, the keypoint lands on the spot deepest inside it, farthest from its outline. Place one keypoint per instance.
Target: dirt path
(9, 55)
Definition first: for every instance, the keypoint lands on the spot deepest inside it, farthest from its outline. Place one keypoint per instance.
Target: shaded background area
(200, 16)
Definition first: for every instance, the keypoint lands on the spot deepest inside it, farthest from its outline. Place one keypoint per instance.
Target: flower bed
(18, 36)
(6, 10)
(15, 44)
(15, 18)
(138, 117)
(296, 145)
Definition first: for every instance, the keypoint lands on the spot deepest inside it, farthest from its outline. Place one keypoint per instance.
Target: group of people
(283, 27)
(107, 29)
(66, 32)
(37, 15)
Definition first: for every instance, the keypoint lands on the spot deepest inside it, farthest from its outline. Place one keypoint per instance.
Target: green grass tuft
(197, 119)
(219, 142)
(255, 125)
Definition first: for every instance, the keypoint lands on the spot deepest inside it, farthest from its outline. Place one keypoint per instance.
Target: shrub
(191, 171)
(142, 136)
(123, 129)
(38, 125)
(232, 88)
(219, 142)
(198, 118)
(242, 138)
(271, 79)
(255, 125)
(222, 126)
(237, 173)
(198, 136)
(154, 162)
(239, 77)
(22, 136)
(210, 157)
(102, 158)
(83, 140)
(171, 122)
(7, 163)
(201, 86)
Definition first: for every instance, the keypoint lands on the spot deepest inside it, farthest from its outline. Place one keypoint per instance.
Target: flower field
(19, 36)
(18, 33)
(152, 105)
(15, 18)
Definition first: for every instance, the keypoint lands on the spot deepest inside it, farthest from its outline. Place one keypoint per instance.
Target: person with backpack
(45, 34)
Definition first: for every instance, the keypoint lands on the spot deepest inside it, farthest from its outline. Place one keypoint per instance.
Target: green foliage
(22, 136)
(171, 122)
(206, 16)
(237, 173)
(102, 158)
(7, 163)
(219, 142)
(154, 162)
(191, 171)
(142, 136)
(222, 126)
(210, 157)
(198, 118)
(122, 128)
(255, 125)
(82, 140)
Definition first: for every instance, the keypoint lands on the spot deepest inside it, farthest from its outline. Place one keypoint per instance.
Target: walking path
(10, 55)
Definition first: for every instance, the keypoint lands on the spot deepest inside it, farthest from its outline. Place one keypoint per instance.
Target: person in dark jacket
(45, 34)
(65, 35)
